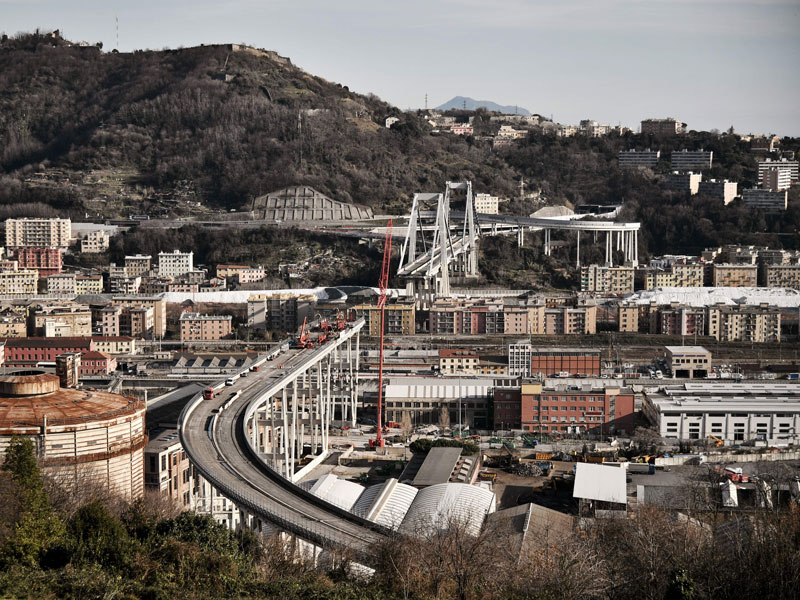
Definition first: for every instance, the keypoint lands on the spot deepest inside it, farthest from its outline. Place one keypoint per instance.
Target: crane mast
(383, 283)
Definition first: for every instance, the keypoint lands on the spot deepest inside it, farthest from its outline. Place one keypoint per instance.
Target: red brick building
(97, 363)
(592, 406)
(507, 409)
(48, 261)
(20, 352)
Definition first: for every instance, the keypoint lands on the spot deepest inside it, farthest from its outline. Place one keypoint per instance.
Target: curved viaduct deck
(217, 444)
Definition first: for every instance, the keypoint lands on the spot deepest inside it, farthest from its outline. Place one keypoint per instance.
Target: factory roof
(708, 296)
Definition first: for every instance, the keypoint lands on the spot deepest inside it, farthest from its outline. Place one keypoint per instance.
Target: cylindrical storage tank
(83, 438)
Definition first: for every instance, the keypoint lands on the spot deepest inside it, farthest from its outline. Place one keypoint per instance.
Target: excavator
(717, 441)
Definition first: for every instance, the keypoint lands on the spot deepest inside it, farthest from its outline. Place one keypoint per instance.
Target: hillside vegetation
(201, 130)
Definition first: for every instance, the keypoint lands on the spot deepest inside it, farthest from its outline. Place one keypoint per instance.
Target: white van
(229, 381)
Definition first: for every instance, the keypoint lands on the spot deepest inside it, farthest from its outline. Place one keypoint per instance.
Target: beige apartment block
(115, 345)
(607, 280)
(458, 362)
(88, 284)
(628, 318)
(167, 469)
(19, 283)
(95, 242)
(667, 126)
(400, 318)
(486, 204)
(726, 275)
(62, 284)
(175, 263)
(13, 326)
(70, 320)
(198, 327)
(755, 324)
(38, 232)
(138, 265)
(110, 320)
(137, 321)
(159, 309)
(782, 276)
(279, 312)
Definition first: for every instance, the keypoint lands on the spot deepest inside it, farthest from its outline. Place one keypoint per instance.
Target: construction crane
(383, 283)
(304, 341)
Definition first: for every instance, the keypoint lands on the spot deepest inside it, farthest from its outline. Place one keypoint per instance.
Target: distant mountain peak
(463, 102)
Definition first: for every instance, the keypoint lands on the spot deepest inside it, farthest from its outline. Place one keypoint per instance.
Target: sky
(709, 63)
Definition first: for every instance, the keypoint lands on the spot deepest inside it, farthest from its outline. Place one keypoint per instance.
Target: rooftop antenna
(426, 101)
(465, 104)
(116, 21)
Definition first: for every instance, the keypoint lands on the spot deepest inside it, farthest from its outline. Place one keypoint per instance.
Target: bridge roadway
(217, 445)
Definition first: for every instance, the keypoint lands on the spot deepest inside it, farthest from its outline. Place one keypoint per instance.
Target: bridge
(442, 245)
(250, 439)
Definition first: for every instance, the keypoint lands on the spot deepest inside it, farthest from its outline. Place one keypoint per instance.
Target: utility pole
(116, 21)
(426, 101)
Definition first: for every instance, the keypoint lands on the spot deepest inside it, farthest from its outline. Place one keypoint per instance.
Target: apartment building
(399, 318)
(754, 324)
(487, 204)
(46, 260)
(242, 274)
(507, 408)
(198, 327)
(138, 265)
(65, 320)
(631, 159)
(13, 325)
(95, 242)
(593, 405)
(62, 284)
(167, 469)
(124, 285)
(607, 280)
(727, 275)
(109, 320)
(668, 126)
(792, 166)
(628, 318)
(88, 284)
(159, 309)
(688, 183)
(776, 179)
(677, 319)
(279, 312)
(767, 200)
(721, 190)
(22, 283)
(566, 320)
(688, 160)
(38, 232)
(175, 263)
(677, 275)
(458, 362)
(782, 276)
(115, 345)
(137, 321)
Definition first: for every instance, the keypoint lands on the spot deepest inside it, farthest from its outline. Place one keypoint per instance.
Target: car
(243, 374)
(229, 381)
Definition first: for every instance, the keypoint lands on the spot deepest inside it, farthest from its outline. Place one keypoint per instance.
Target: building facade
(689, 160)
(607, 280)
(175, 263)
(198, 327)
(726, 275)
(95, 242)
(38, 232)
(767, 200)
(631, 159)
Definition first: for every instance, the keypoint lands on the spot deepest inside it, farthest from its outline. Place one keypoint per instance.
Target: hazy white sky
(710, 63)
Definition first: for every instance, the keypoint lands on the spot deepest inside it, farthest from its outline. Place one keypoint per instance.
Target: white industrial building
(402, 507)
(732, 412)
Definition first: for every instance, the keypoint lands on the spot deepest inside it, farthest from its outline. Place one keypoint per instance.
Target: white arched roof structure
(386, 503)
(439, 504)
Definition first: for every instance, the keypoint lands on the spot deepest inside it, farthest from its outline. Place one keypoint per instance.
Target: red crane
(383, 283)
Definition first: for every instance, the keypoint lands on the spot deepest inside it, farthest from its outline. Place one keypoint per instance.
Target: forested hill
(219, 124)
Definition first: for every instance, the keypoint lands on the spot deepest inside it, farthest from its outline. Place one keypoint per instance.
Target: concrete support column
(578, 251)
(285, 432)
(354, 408)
